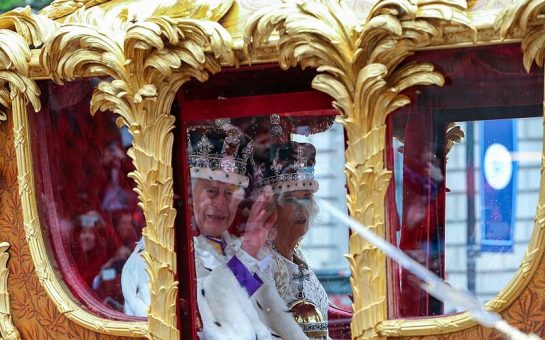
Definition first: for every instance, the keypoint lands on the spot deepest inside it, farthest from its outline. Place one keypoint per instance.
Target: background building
(493, 270)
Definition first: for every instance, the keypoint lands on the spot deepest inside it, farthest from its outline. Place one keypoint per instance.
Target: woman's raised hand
(260, 221)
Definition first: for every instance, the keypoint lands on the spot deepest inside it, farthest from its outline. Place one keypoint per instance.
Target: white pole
(431, 282)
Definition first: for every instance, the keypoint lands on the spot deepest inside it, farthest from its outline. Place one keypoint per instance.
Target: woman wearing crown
(233, 300)
(289, 171)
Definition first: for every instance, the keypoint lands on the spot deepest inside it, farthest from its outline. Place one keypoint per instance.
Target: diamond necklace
(280, 253)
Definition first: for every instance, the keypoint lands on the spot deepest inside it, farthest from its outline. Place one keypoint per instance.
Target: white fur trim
(226, 310)
(220, 175)
(229, 303)
(135, 283)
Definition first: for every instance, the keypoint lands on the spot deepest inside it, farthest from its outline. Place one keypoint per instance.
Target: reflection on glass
(324, 244)
(455, 152)
(87, 200)
(490, 218)
(252, 209)
(468, 204)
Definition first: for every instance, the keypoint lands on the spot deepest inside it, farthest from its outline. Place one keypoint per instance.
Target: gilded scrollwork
(7, 329)
(359, 65)
(60, 8)
(19, 31)
(525, 16)
(148, 55)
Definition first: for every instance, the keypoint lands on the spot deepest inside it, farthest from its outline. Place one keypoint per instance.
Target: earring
(272, 235)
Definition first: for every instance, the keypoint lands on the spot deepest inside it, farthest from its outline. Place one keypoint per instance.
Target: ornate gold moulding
(7, 329)
(49, 278)
(455, 37)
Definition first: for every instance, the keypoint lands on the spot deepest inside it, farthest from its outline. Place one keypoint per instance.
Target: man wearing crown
(234, 302)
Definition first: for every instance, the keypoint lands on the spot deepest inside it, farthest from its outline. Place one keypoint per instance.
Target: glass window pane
(492, 202)
(86, 200)
(255, 190)
(466, 164)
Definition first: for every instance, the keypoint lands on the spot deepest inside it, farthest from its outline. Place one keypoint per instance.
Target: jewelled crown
(219, 153)
(286, 167)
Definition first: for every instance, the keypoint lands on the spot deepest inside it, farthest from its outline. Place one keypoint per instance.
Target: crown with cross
(287, 167)
(219, 152)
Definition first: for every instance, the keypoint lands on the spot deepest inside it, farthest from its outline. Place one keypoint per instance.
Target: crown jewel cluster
(230, 159)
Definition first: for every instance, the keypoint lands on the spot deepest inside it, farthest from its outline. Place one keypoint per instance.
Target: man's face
(125, 227)
(87, 239)
(215, 205)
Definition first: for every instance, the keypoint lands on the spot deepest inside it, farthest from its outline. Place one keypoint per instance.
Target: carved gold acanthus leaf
(7, 329)
(359, 66)
(148, 55)
(61, 8)
(454, 135)
(19, 31)
(214, 10)
(526, 16)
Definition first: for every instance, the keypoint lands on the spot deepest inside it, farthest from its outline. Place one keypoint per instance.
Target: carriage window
(466, 162)
(85, 198)
(492, 202)
(255, 171)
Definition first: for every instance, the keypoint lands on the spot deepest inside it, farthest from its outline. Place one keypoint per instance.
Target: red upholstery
(339, 323)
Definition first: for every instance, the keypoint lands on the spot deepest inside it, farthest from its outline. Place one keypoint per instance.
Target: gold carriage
(407, 81)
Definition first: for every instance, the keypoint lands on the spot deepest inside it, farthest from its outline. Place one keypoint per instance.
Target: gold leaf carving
(527, 16)
(19, 29)
(359, 65)
(454, 135)
(202, 9)
(35, 29)
(148, 56)
(7, 329)
(60, 8)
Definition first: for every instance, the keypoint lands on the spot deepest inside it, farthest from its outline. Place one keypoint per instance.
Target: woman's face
(294, 212)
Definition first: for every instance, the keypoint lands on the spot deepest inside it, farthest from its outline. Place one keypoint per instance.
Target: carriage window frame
(196, 103)
(48, 179)
(433, 325)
